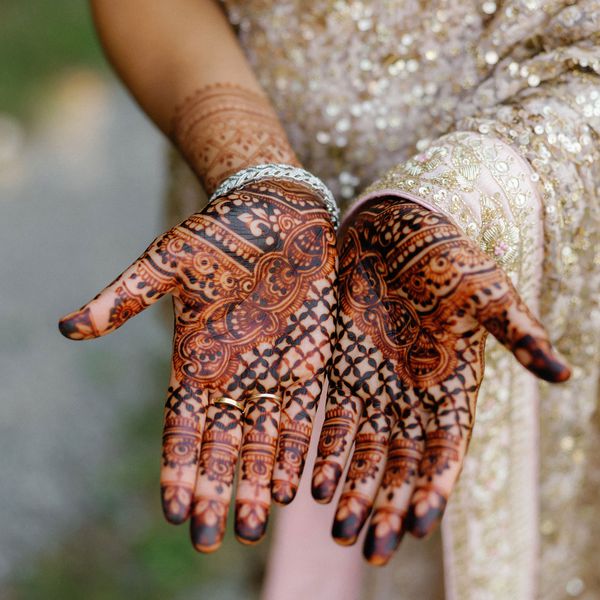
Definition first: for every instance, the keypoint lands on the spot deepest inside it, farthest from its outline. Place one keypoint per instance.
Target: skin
(417, 301)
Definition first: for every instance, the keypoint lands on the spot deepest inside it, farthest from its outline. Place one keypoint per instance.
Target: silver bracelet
(276, 171)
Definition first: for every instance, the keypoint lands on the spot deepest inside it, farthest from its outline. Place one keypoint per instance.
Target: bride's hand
(252, 278)
(417, 299)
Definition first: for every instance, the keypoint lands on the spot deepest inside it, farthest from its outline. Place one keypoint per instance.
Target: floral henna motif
(417, 299)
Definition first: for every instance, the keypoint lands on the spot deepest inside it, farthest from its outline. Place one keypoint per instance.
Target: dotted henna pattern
(417, 299)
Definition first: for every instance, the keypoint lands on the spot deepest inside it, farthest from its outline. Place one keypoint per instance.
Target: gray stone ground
(80, 203)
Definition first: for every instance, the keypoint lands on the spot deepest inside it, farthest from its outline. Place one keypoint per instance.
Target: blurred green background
(82, 187)
(38, 41)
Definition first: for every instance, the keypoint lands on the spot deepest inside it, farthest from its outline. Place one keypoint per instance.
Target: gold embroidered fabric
(463, 86)
(489, 191)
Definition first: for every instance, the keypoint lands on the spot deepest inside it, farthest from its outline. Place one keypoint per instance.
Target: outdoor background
(81, 186)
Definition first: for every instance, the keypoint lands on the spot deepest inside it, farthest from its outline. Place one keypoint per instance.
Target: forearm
(164, 51)
(183, 64)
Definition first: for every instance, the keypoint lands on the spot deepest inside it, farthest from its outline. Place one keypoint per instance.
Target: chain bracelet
(277, 171)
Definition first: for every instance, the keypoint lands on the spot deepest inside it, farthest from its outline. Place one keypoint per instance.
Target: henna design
(184, 419)
(294, 440)
(253, 284)
(335, 437)
(258, 458)
(223, 128)
(417, 299)
(218, 458)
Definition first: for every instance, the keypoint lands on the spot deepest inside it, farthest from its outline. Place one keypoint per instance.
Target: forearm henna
(223, 128)
(252, 278)
(417, 299)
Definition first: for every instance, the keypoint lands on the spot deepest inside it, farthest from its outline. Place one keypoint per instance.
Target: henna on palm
(252, 278)
(417, 299)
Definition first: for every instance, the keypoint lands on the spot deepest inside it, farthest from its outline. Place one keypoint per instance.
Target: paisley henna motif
(417, 299)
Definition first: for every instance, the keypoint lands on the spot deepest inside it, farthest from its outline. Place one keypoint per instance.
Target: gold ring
(229, 402)
(266, 396)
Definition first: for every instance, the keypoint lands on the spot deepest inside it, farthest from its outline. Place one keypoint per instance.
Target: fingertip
(564, 374)
(556, 371)
(421, 524)
(78, 325)
(326, 476)
(382, 539)
(207, 526)
(67, 325)
(282, 491)
(538, 356)
(323, 493)
(251, 519)
(345, 531)
(205, 540)
(176, 503)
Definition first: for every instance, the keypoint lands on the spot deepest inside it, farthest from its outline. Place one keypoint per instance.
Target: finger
(139, 286)
(386, 527)
(253, 498)
(365, 472)
(438, 472)
(216, 469)
(502, 312)
(295, 429)
(339, 428)
(184, 422)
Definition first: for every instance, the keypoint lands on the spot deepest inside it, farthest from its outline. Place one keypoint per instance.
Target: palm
(252, 282)
(416, 301)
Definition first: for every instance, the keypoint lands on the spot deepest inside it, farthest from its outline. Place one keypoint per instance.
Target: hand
(417, 299)
(252, 278)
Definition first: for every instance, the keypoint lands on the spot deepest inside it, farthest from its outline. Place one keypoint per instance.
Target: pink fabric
(305, 562)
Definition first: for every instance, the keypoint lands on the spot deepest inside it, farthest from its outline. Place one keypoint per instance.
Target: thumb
(511, 322)
(139, 286)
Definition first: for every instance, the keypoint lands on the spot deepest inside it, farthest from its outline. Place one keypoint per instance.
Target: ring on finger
(225, 400)
(266, 396)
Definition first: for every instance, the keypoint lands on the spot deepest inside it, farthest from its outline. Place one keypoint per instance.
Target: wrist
(280, 172)
(224, 128)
